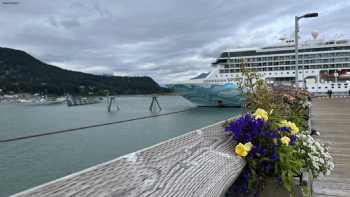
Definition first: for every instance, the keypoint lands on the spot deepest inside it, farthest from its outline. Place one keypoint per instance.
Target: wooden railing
(199, 163)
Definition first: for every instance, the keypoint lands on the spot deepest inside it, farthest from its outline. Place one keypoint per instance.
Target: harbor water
(30, 162)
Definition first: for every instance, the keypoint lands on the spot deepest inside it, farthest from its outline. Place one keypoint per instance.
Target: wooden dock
(200, 163)
(331, 117)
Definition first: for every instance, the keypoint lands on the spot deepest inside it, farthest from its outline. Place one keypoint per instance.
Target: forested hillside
(21, 72)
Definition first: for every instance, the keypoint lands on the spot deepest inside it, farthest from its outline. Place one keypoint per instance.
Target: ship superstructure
(322, 66)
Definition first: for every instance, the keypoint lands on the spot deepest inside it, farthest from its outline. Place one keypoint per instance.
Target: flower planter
(273, 189)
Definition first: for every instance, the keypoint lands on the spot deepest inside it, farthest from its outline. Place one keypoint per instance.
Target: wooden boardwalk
(200, 163)
(331, 117)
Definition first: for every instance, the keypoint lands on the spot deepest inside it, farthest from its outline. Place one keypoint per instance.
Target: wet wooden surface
(331, 117)
(200, 163)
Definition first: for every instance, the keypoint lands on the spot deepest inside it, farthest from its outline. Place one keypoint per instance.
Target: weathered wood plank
(199, 163)
(332, 118)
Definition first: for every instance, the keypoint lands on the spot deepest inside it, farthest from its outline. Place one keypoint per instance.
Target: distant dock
(331, 117)
(79, 100)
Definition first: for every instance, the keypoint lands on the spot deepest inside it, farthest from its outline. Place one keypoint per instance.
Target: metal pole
(296, 52)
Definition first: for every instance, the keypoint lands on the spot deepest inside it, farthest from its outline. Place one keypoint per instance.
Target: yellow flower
(293, 128)
(241, 150)
(285, 140)
(248, 146)
(260, 113)
(284, 123)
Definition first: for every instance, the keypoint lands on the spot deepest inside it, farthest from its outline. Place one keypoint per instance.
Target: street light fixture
(310, 15)
(297, 18)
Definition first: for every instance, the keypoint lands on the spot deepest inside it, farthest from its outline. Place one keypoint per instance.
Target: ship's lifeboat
(343, 74)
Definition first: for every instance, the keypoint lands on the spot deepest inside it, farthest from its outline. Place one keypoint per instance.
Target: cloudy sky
(165, 39)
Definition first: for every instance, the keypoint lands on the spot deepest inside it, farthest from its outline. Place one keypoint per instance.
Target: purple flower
(283, 129)
(293, 139)
(263, 155)
(245, 128)
(274, 156)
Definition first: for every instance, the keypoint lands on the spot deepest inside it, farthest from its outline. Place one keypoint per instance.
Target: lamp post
(296, 39)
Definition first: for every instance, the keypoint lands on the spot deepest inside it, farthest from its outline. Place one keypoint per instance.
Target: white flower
(318, 159)
(321, 161)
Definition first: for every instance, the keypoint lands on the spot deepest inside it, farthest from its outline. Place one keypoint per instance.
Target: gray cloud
(165, 39)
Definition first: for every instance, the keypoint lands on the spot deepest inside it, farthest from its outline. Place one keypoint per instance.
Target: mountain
(21, 72)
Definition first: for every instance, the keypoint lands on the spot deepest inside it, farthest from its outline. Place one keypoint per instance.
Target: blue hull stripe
(227, 95)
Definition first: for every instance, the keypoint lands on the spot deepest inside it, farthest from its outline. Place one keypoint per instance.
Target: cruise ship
(322, 65)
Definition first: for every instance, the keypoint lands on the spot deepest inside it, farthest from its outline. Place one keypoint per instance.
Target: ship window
(326, 87)
(293, 72)
(287, 72)
(319, 87)
(225, 54)
(313, 87)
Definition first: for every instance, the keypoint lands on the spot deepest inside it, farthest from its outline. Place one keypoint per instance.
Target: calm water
(27, 163)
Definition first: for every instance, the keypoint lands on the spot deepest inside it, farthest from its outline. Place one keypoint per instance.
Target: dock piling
(154, 104)
(112, 103)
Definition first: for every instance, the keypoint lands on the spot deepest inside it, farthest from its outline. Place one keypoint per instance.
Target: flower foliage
(271, 151)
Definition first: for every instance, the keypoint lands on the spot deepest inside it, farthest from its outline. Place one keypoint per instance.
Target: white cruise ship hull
(210, 95)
